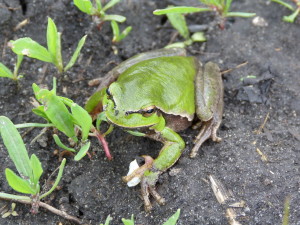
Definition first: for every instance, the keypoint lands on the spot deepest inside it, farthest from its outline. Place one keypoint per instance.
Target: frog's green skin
(157, 94)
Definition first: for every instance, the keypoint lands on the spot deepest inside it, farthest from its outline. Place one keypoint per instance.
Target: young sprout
(221, 7)
(68, 117)
(296, 10)
(98, 13)
(52, 54)
(6, 72)
(29, 168)
(117, 36)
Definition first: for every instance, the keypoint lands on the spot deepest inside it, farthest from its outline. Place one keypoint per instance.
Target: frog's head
(128, 109)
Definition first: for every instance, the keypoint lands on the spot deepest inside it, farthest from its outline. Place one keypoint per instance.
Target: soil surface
(92, 189)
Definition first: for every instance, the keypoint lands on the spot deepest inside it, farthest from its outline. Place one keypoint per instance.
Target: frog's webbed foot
(148, 181)
(208, 130)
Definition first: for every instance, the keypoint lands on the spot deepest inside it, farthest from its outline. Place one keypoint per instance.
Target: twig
(49, 208)
(238, 66)
(258, 131)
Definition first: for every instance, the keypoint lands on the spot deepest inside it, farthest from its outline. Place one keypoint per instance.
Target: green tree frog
(156, 94)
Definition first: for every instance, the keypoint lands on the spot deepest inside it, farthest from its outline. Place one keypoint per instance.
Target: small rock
(174, 171)
(259, 21)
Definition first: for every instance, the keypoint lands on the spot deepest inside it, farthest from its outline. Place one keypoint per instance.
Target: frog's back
(166, 82)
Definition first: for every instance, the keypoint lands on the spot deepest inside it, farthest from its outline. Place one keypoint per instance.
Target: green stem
(25, 125)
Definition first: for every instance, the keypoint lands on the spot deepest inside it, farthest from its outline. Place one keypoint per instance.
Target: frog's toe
(148, 188)
(208, 130)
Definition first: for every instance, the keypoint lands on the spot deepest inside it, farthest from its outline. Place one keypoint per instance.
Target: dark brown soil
(93, 189)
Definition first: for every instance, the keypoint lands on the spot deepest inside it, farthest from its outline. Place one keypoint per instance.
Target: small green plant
(98, 13)
(295, 8)
(29, 168)
(69, 118)
(6, 72)
(171, 221)
(28, 47)
(117, 36)
(10, 212)
(221, 7)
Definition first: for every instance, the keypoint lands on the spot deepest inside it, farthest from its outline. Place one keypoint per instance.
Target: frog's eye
(149, 111)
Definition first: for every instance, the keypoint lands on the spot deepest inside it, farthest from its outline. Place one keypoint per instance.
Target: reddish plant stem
(102, 140)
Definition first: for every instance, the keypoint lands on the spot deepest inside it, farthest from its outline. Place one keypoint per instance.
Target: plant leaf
(115, 29)
(179, 23)
(76, 53)
(83, 150)
(57, 112)
(124, 33)
(15, 147)
(128, 221)
(180, 9)
(59, 175)
(173, 219)
(110, 4)
(291, 18)
(287, 5)
(37, 168)
(117, 18)
(60, 144)
(27, 46)
(5, 72)
(52, 39)
(198, 37)
(83, 119)
(84, 5)
(240, 14)
(107, 221)
(17, 183)
(40, 111)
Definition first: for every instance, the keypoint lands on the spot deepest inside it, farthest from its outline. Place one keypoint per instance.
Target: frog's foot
(208, 130)
(148, 181)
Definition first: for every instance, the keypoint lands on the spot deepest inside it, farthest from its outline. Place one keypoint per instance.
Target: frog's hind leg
(209, 104)
(208, 130)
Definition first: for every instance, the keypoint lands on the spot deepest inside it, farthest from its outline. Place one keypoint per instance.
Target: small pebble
(259, 21)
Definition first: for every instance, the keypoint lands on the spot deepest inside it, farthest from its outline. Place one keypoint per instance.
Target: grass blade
(60, 144)
(83, 150)
(180, 9)
(173, 219)
(27, 46)
(15, 147)
(287, 5)
(76, 53)
(240, 14)
(83, 119)
(128, 221)
(52, 39)
(84, 5)
(117, 18)
(37, 168)
(5, 72)
(110, 4)
(18, 184)
(59, 175)
(179, 23)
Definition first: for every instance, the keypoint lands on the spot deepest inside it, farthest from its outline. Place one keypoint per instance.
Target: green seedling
(68, 117)
(221, 7)
(296, 10)
(10, 212)
(6, 72)
(29, 168)
(117, 36)
(171, 221)
(52, 54)
(98, 13)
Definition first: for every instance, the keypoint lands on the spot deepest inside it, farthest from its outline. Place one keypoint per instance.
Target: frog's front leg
(209, 104)
(150, 171)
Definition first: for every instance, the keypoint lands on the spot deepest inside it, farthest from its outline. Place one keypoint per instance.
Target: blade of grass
(179, 23)
(180, 9)
(240, 14)
(5, 72)
(117, 18)
(27, 46)
(37, 168)
(84, 5)
(60, 144)
(83, 150)
(287, 5)
(52, 39)
(110, 4)
(15, 147)
(59, 175)
(76, 53)
(173, 219)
